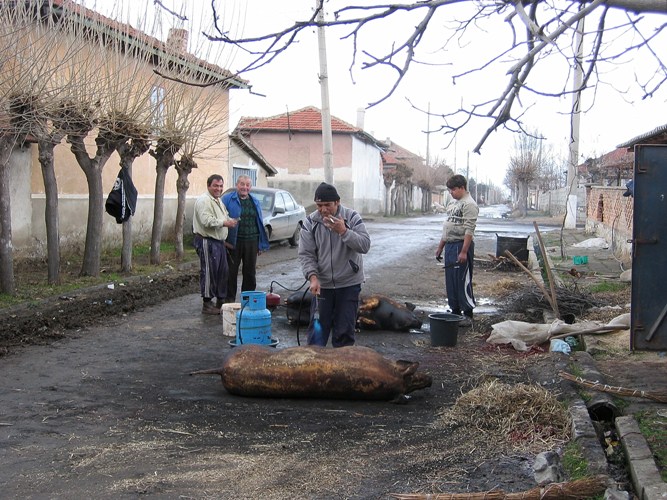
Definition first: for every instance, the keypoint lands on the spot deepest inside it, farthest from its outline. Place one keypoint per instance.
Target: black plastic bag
(122, 200)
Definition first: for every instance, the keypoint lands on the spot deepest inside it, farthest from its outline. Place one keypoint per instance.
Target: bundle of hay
(524, 417)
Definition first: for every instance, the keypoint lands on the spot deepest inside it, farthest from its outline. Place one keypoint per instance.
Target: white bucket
(229, 318)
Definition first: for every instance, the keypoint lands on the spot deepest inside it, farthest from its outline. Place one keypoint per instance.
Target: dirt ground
(97, 401)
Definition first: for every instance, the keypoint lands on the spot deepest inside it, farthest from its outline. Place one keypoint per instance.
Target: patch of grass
(608, 287)
(31, 276)
(653, 427)
(574, 462)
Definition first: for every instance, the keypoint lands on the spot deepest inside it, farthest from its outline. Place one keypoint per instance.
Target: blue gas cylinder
(253, 320)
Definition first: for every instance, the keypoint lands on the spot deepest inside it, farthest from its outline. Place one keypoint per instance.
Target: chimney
(361, 113)
(177, 40)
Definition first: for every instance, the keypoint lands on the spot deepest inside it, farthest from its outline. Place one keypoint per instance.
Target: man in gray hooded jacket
(333, 240)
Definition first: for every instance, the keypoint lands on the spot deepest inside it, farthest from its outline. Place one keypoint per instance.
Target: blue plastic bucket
(444, 329)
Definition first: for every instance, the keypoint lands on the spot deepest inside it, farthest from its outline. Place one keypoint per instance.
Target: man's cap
(326, 192)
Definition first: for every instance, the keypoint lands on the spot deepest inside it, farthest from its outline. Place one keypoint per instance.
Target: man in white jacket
(333, 240)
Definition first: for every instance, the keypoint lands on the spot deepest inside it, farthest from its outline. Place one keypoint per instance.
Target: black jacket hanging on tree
(122, 200)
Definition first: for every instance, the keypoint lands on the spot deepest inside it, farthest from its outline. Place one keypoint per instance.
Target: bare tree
(31, 102)
(538, 36)
(528, 159)
(192, 122)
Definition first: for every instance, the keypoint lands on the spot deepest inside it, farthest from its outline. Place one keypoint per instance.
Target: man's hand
(314, 285)
(336, 225)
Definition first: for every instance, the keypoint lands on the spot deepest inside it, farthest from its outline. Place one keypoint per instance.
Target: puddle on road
(484, 306)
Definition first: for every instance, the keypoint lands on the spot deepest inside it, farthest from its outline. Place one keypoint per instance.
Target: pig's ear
(407, 367)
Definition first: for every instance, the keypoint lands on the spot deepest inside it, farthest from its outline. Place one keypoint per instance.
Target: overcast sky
(291, 82)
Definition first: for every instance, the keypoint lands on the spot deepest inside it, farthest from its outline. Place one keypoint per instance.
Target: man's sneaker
(209, 308)
(219, 302)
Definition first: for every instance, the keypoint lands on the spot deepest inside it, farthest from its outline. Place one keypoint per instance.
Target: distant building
(292, 143)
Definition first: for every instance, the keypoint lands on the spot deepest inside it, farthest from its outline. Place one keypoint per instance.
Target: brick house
(292, 143)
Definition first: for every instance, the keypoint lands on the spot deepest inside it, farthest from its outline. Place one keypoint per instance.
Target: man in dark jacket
(245, 241)
(333, 240)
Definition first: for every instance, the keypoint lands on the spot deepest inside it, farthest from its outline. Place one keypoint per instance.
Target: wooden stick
(547, 267)
(620, 391)
(581, 489)
(537, 282)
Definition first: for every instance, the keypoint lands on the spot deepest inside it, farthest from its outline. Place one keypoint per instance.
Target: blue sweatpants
(213, 267)
(458, 279)
(338, 316)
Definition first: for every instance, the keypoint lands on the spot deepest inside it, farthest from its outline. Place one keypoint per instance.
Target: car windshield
(265, 199)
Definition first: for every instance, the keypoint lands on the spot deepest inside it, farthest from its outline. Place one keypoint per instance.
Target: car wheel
(268, 232)
(294, 240)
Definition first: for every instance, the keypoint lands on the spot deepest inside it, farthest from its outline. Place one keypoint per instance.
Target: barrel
(229, 318)
(253, 320)
(444, 329)
(517, 246)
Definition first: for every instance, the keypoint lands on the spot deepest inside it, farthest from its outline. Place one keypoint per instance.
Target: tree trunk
(184, 168)
(523, 198)
(158, 212)
(6, 254)
(129, 151)
(46, 147)
(92, 168)
(164, 155)
(126, 250)
(387, 200)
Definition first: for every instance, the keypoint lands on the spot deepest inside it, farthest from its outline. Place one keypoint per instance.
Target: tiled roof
(655, 136)
(308, 119)
(617, 157)
(97, 21)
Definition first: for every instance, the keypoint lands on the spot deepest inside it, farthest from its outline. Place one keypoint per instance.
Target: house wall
(300, 163)
(19, 196)
(240, 159)
(609, 215)
(554, 202)
(207, 109)
(367, 178)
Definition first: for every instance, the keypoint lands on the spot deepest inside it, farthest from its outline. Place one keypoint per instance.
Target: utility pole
(575, 118)
(327, 136)
(428, 136)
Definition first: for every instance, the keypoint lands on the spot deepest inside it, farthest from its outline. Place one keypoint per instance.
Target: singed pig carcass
(351, 372)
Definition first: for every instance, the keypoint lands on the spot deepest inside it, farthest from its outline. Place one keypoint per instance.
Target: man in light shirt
(210, 224)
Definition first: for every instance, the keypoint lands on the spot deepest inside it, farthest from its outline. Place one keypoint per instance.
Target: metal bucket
(444, 329)
(517, 246)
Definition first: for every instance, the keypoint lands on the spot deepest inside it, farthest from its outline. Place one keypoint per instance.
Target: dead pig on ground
(376, 312)
(352, 372)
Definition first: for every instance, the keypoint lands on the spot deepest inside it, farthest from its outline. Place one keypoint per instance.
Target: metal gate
(649, 249)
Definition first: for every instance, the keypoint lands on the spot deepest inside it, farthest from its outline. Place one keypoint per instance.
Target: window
(280, 202)
(157, 106)
(238, 172)
(290, 205)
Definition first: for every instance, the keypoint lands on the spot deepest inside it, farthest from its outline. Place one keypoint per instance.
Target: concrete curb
(644, 472)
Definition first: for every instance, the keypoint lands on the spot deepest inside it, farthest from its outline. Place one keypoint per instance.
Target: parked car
(282, 215)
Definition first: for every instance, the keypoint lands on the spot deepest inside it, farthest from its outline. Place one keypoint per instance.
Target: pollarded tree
(30, 99)
(193, 120)
(526, 162)
(114, 100)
